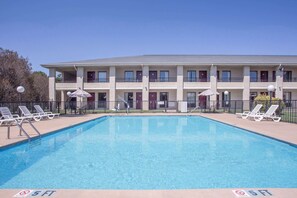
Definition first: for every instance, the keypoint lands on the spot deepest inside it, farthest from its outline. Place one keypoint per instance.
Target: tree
(15, 70)
(40, 86)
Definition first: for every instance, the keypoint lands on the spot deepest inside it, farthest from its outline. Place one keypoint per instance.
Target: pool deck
(283, 131)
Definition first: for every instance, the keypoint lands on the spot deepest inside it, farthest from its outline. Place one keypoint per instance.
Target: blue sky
(66, 30)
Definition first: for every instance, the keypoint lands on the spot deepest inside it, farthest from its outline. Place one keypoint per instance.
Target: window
(253, 76)
(129, 76)
(164, 98)
(191, 99)
(226, 76)
(102, 76)
(287, 76)
(164, 76)
(191, 76)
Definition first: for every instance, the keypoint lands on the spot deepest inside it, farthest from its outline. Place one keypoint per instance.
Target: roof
(183, 60)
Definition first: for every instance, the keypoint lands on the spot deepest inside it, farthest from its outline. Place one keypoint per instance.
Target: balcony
(163, 79)
(163, 83)
(97, 80)
(290, 83)
(232, 79)
(128, 83)
(262, 79)
(128, 80)
(62, 84)
(196, 83)
(292, 79)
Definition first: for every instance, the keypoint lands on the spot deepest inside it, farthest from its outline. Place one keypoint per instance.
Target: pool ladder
(20, 125)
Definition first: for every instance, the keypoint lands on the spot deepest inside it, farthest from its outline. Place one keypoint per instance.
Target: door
(138, 100)
(101, 100)
(202, 102)
(264, 76)
(153, 76)
(153, 100)
(203, 76)
(91, 101)
(91, 76)
(139, 76)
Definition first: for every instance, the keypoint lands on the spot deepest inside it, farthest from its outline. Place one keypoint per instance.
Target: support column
(246, 88)
(180, 85)
(145, 88)
(52, 87)
(63, 99)
(96, 100)
(112, 90)
(279, 83)
(52, 84)
(79, 84)
(213, 83)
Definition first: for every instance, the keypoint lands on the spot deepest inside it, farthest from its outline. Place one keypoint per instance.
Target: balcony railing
(193, 79)
(128, 80)
(232, 79)
(293, 79)
(97, 80)
(163, 79)
(262, 79)
(65, 81)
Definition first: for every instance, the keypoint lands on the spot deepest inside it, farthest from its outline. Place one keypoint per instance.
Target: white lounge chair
(8, 118)
(270, 114)
(7, 121)
(17, 120)
(49, 115)
(246, 114)
(26, 113)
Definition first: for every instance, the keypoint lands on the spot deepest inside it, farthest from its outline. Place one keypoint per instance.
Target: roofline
(167, 64)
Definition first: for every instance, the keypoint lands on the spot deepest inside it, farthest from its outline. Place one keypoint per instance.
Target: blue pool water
(154, 152)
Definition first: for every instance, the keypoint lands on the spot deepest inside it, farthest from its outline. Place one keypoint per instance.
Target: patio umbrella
(80, 93)
(208, 92)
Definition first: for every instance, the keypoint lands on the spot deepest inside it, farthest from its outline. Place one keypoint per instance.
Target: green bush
(265, 101)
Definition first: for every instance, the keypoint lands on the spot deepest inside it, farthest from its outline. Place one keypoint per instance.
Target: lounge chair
(7, 121)
(8, 118)
(246, 114)
(270, 114)
(17, 120)
(26, 113)
(49, 115)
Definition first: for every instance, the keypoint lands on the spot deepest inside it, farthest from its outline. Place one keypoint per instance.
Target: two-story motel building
(152, 78)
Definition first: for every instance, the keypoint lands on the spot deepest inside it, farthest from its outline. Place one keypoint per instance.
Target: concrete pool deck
(282, 131)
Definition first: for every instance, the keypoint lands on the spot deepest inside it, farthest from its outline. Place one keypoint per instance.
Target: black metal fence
(287, 109)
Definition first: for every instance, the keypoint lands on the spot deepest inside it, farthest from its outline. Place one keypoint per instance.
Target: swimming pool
(150, 152)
